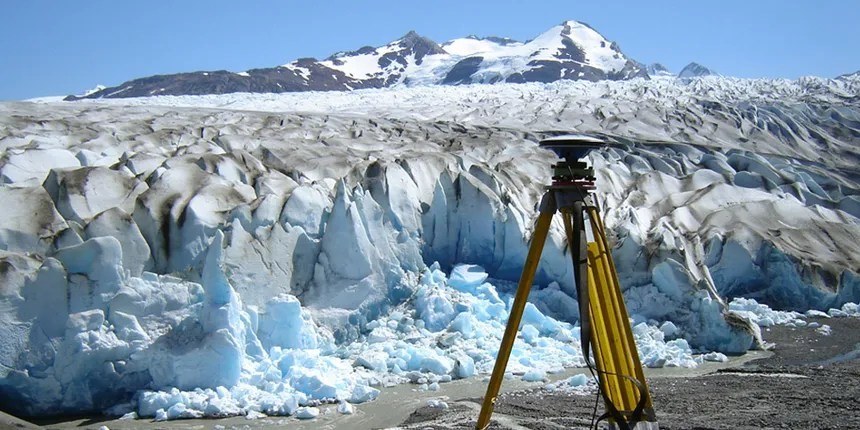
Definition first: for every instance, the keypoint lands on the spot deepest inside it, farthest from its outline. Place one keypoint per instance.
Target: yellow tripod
(604, 322)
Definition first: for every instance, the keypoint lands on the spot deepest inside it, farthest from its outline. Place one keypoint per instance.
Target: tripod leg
(525, 285)
(627, 391)
(589, 317)
(576, 242)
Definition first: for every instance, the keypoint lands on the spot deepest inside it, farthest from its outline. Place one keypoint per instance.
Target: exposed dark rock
(420, 46)
(631, 70)
(504, 41)
(657, 69)
(695, 70)
(462, 72)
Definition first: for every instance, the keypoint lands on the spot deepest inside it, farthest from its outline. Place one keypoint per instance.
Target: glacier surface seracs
(244, 254)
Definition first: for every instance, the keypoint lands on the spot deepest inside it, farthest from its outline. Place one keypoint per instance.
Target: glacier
(175, 257)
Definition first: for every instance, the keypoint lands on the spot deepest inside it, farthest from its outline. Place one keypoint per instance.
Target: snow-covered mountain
(658, 70)
(696, 70)
(262, 253)
(568, 51)
(849, 75)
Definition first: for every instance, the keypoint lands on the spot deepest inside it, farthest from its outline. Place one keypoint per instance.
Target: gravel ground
(812, 381)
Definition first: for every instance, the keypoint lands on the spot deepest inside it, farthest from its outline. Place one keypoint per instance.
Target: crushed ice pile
(580, 384)
(451, 330)
(281, 363)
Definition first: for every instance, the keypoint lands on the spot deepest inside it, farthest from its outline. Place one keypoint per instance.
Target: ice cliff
(176, 258)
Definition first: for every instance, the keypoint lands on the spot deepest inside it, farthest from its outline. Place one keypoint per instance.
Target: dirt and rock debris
(812, 381)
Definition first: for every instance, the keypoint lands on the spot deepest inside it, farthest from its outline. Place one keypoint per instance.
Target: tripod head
(572, 173)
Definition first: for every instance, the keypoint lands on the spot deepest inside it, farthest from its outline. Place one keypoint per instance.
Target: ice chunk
(345, 408)
(465, 323)
(465, 366)
(430, 361)
(269, 261)
(824, 330)
(32, 167)
(762, 314)
(668, 277)
(534, 376)
(467, 278)
(837, 313)
(812, 313)
(577, 380)
(852, 309)
(129, 416)
(655, 352)
(99, 260)
(284, 324)
(580, 384)
(179, 410)
(85, 321)
(307, 208)
(529, 333)
(254, 415)
(30, 222)
(120, 225)
(434, 308)
(315, 383)
(345, 243)
(715, 356)
(437, 404)
(373, 360)
(669, 329)
(534, 317)
(81, 194)
(307, 413)
(208, 350)
(363, 393)
(152, 294)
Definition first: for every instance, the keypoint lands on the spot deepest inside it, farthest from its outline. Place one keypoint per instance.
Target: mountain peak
(579, 42)
(415, 45)
(419, 43)
(411, 35)
(571, 28)
(849, 75)
(696, 70)
(574, 23)
(658, 69)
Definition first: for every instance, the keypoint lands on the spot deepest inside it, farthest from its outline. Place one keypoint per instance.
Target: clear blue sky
(68, 46)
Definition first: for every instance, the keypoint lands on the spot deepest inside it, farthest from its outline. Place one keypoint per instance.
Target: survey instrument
(606, 335)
